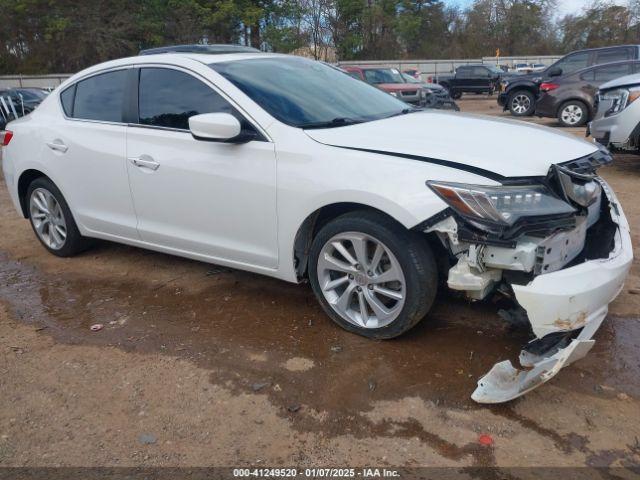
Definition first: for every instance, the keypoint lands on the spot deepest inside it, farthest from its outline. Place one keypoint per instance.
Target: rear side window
(614, 55)
(604, 74)
(589, 76)
(167, 98)
(100, 97)
(464, 72)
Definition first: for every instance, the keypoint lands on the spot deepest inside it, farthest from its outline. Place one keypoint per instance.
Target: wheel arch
(24, 181)
(519, 88)
(312, 224)
(315, 221)
(575, 98)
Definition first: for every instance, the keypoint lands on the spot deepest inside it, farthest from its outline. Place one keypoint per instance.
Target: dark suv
(472, 79)
(519, 94)
(571, 98)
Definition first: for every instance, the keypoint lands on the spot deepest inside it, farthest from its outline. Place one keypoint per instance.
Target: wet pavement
(256, 336)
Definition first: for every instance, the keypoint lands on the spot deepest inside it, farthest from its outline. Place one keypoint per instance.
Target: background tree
(61, 36)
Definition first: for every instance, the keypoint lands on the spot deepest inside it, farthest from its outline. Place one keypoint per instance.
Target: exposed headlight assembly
(582, 189)
(501, 205)
(620, 99)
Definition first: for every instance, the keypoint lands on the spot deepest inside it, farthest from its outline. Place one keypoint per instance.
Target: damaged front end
(559, 245)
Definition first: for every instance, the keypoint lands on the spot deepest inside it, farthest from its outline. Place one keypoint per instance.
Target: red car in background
(390, 80)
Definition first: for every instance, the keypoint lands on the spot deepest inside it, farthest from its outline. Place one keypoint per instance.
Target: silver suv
(617, 121)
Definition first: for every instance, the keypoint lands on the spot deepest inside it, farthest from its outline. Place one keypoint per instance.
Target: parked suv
(286, 167)
(472, 79)
(389, 80)
(571, 98)
(617, 120)
(519, 93)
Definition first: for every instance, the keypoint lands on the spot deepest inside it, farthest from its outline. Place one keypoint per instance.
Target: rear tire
(360, 281)
(573, 113)
(52, 221)
(521, 103)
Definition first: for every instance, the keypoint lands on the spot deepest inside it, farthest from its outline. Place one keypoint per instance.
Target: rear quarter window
(66, 99)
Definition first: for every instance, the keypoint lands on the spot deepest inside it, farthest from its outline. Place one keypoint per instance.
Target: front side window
(100, 97)
(573, 63)
(308, 94)
(167, 98)
(615, 55)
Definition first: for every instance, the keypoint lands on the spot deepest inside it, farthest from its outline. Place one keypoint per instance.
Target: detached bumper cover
(563, 301)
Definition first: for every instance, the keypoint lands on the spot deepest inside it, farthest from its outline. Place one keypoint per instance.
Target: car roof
(174, 58)
(604, 48)
(601, 65)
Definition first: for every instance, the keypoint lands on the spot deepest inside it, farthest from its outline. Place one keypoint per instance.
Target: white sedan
(291, 168)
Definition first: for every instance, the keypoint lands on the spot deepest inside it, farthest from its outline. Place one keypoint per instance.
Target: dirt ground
(202, 366)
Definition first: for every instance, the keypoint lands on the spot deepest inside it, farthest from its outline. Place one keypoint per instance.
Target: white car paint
(243, 205)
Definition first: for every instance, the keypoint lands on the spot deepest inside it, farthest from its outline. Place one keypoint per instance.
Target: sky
(564, 6)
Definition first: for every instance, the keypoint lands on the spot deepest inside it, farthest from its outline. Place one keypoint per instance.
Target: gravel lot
(202, 366)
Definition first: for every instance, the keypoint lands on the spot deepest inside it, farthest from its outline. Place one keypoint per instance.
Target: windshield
(410, 79)
(304, 93)
(495, 69)
(383, 75)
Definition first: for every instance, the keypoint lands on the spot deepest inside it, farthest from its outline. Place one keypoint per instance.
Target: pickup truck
(472, 79)
(520, 94)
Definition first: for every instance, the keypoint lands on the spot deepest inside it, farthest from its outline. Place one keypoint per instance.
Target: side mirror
(554, 72)
(214, 127)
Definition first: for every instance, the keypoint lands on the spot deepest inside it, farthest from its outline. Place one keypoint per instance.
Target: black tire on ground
(74, 242)
(575, 105)
(521, 103)
(413, 254)
(456, 95)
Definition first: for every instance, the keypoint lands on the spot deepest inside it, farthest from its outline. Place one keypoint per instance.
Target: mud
(255, 339)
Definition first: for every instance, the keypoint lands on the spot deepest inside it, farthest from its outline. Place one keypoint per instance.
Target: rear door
(215, 200)
(481, 79)
(464, 79)
(88, 144)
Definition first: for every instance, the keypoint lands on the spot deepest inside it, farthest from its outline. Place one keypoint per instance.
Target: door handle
(145, 162)
(58, 146)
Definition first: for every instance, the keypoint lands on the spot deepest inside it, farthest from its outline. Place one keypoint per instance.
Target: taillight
(429, 79)
(548, 86)
(5, 137)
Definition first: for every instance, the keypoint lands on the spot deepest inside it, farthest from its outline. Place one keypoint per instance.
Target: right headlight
(620, 99)
(502, 205)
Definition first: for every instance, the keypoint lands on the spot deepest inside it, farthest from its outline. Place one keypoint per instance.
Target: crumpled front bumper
(563, 301)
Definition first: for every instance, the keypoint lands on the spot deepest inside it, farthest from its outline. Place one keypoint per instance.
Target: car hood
(398, 87)
(508, 148)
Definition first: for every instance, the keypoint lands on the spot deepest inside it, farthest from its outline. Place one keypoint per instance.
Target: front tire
(372, 276)
(573, 113)
(521, 103)
(52, 221)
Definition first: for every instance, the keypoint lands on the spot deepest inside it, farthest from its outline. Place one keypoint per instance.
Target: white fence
(436, 67)
(427, 67)
(38, 81)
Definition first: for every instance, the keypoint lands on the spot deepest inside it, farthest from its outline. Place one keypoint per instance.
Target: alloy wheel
(520, 104)
(361, 279)
(47, 218)
(571, 114)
